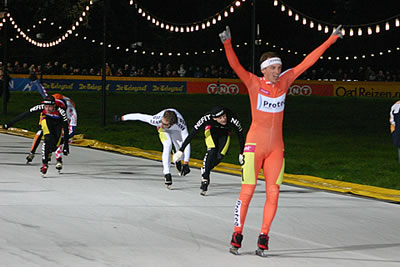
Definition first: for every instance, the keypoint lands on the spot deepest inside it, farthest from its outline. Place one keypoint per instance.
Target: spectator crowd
(213, 71)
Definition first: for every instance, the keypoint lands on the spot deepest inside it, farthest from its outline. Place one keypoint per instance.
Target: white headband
(271, 61)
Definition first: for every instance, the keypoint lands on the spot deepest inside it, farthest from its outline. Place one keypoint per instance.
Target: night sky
(125, 26)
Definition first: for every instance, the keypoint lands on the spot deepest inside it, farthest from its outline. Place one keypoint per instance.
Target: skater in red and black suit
(53, 122)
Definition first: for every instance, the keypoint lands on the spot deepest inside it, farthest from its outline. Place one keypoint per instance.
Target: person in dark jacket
(217, 126)
(54, 122)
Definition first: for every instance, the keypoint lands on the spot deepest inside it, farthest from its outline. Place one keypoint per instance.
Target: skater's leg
(36, 141)
(167, 147)
(250, 171)
(35, 144)
(273, 172)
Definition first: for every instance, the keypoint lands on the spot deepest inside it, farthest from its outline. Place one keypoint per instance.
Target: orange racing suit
(264, 146)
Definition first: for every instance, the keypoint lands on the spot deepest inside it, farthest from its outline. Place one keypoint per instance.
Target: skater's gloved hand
(177, 156)
(241, 159)
(6, 126)
(66, 149)
(338, 31)
(116, 118)
(225, 35)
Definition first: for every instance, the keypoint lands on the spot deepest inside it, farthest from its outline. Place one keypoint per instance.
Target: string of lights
(350, 29)
(187, 27)
(34, 40)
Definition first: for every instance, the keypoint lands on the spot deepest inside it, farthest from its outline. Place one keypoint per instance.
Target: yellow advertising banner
(368, 89)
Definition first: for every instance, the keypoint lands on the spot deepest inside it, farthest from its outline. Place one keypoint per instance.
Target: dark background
(125, 26)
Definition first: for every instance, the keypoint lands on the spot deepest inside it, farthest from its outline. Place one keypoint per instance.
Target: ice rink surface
(108, 209)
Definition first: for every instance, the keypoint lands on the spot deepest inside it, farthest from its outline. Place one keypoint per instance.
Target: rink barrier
(300, 180)
(218, 86)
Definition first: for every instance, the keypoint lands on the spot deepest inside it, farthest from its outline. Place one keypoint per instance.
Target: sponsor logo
(361, 91)
(37, 107)
(236, 122)
(202, 120)
(300, 90)
(264, 91)
(249, 148)
(237, 213)
(271, 105)
(222, 89)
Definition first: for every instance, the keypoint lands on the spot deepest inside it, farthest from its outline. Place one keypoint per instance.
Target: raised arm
(241, 72)
(316, 54)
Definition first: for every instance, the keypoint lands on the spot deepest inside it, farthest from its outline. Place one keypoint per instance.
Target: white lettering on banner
(271, 105)
(236, 221)
(300, 90)
(223, 89)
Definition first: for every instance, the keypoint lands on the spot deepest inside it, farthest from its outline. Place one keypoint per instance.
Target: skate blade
(43, 175)
(203, 193)
(261, 252)
(169, 187)
(234, 250)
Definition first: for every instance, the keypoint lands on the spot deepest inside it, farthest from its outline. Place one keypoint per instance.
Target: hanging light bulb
(275, 2)
(304, 21)
(343, 31)
(311, 24)
(231, 9)
(387, 26)
(283, 8)
(214, 21)
(369, 31)
(290, 13)
(237, 3)
(359, 32)
(397, 23)
(225, 13)
(377, 29)
(319, 27)
(326, 29)
(351, 33)
(296, 17)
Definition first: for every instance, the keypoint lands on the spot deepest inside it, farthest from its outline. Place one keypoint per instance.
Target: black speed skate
(204, 187)
(185, 170)
(168, 180)
(30, 157)
(262, 245)
(236, 243)
(59, 165)
(44, 168)
(178, 166)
